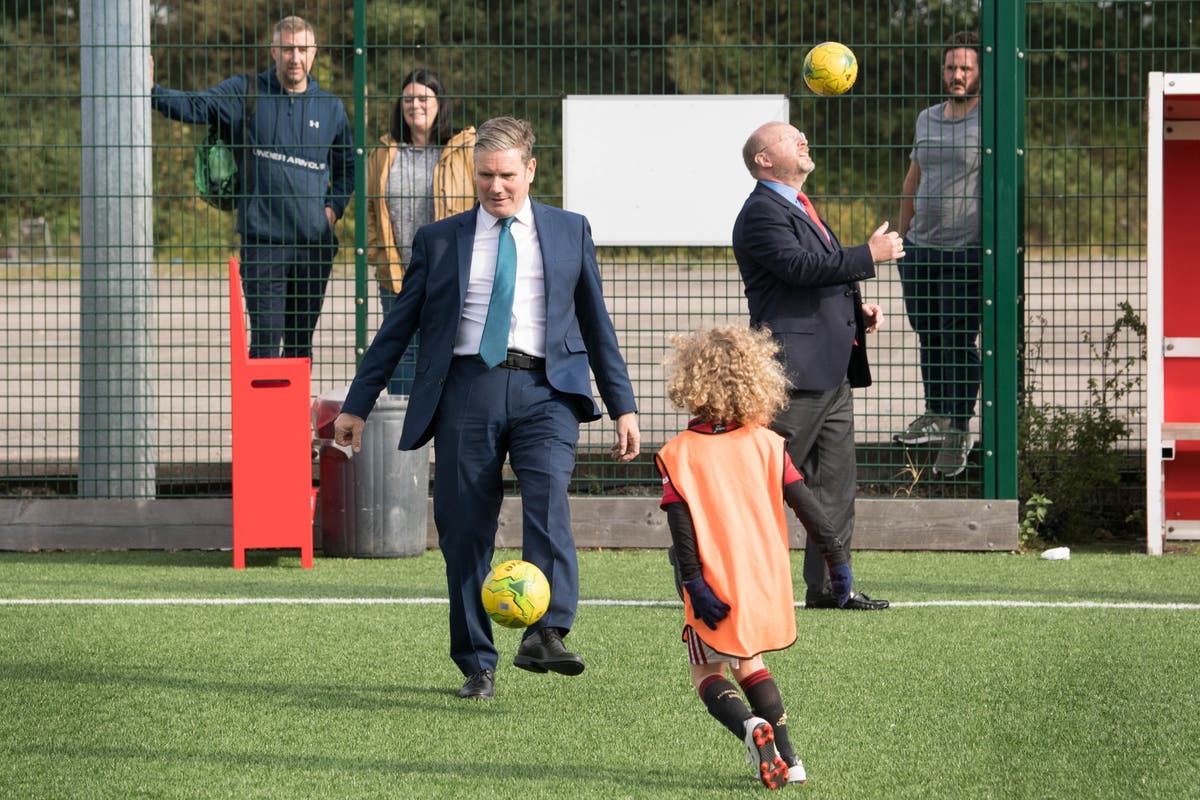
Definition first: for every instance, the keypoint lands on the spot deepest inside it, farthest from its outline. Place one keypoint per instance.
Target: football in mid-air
(830, 69)
(516, 594)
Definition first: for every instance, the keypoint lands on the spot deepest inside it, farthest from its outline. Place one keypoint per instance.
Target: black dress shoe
(857, 602)
(479, 686)
(860, 602)
(543, 651)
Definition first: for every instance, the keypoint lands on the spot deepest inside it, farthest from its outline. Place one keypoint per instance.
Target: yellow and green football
(516, 594)
(830, 69)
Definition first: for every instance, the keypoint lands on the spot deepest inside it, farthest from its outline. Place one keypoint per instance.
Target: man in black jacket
(297, 174)
(803, 285)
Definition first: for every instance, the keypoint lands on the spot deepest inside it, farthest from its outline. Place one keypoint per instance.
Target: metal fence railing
(1063, 107)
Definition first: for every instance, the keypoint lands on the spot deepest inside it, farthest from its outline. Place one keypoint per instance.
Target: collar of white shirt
(485, 221)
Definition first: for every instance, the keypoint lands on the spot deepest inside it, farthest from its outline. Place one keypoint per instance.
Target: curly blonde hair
(727, 374)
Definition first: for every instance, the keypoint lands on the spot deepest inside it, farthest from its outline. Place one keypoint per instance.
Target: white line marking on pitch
(416, 601)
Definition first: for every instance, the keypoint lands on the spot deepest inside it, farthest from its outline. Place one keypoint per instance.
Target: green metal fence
(1064, 213)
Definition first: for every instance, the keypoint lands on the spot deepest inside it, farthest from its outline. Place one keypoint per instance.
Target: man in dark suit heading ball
(803, 285)
(508, 301)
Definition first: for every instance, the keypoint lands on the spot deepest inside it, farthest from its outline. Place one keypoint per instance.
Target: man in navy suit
(528, 407)
(803, 285)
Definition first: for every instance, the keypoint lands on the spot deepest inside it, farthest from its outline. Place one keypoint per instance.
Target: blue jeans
(402, 379)
(284, 287)
(942, 298)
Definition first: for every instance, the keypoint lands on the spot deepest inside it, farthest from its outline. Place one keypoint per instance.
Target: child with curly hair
(726, 480)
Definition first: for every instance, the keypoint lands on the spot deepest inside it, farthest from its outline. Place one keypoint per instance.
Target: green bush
(1070, 459)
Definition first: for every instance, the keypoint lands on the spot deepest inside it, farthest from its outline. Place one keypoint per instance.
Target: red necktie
(812, 214)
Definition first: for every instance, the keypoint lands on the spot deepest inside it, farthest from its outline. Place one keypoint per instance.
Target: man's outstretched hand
(347, 430)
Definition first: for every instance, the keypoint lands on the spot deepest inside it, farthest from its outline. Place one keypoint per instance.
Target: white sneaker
(796, 773)
(764, 758)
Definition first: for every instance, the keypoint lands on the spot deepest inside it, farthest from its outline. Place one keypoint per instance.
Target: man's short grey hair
(754, 145)
(292, 25)
(506, 133)
(749, 151)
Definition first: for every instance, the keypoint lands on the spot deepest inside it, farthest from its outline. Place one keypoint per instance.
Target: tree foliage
(1085, 66)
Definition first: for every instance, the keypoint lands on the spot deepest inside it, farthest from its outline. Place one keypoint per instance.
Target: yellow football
(830, 69)
(516, 594)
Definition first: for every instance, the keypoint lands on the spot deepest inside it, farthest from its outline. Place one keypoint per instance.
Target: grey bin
(374, 505)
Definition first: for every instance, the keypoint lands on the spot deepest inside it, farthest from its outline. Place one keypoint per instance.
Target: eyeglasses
(791, 137)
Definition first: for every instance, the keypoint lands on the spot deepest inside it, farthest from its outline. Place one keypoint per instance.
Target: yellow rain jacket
(453, 192)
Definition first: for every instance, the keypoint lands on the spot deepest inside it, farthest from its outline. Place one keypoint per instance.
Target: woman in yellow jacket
(423, 171)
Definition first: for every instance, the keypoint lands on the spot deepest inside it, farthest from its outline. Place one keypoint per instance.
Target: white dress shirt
(527, 330)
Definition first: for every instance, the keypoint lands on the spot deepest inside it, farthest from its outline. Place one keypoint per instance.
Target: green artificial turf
(356, 700)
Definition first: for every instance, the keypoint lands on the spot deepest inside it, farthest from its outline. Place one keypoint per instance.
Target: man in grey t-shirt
(940, 216)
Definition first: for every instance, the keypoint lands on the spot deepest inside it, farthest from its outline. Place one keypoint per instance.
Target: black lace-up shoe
(544, 651)
(479, 685)
(857, 602)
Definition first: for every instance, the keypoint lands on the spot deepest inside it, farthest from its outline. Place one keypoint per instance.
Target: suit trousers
(485, 415)
(819, 428)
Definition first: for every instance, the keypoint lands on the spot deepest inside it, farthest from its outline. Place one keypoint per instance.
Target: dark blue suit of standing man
(528, 407)
(803, 285)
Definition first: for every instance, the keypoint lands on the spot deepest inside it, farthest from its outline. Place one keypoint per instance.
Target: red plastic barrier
(273, 495)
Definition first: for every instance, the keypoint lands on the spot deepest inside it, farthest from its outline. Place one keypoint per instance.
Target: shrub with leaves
(1070, 457)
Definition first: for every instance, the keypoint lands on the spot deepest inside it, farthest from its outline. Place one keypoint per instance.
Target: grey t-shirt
(410, 193)
(947, 206)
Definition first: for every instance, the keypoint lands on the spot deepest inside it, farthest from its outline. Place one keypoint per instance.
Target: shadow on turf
(378, 698)
(307, 696)
(583, 779)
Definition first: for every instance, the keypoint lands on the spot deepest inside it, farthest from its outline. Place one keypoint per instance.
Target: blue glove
(708, 607)
(841, 582)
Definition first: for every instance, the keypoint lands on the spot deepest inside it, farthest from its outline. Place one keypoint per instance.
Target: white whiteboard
(661, 169)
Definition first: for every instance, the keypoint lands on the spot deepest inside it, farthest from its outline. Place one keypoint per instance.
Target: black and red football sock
(724, 702)
(763, 694)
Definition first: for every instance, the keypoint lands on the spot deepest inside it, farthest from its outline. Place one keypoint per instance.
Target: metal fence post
(116, 385)
(1003, 165)
(361, 145)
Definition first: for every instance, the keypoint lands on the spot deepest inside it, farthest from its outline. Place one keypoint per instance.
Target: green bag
(217, 163)
(217, 171)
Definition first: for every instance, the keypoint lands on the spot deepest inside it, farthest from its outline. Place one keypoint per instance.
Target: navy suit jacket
(805, 289)
(579, 331)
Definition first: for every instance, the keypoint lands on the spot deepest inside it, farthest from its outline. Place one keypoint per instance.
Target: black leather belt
(518, 360)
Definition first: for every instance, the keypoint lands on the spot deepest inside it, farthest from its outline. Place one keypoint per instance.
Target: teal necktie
(493, 346)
